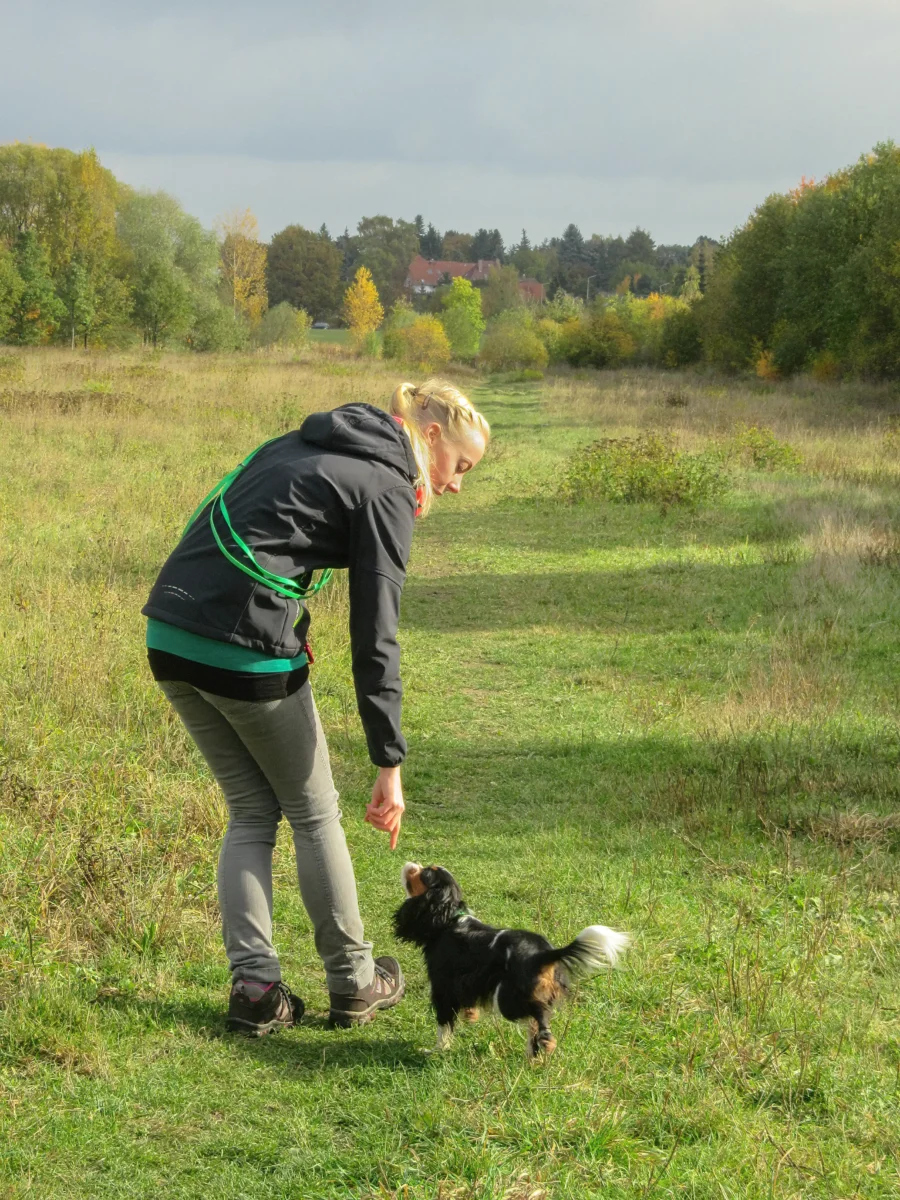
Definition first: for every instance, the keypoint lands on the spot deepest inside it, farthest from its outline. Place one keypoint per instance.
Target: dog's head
(434, 901)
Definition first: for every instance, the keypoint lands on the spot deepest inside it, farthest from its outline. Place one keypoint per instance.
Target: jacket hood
(364, 431)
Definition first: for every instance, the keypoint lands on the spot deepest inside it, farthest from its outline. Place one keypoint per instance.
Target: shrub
(765, 365)
(511, 341)
(282, 325)
(756, 446)
(644, 468)
(826, 367)
(679, 343)
(421, 342)
(600, 340)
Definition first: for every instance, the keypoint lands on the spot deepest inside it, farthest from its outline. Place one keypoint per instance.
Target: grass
(681, 724)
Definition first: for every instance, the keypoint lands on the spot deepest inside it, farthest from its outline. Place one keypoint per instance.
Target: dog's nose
(410, 876)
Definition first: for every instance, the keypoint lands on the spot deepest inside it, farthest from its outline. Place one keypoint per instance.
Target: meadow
(680, 721)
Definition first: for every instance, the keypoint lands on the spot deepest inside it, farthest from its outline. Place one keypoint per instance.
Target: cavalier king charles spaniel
(471, 964)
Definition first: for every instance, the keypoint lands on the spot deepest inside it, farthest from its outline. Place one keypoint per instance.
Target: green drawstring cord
(292, 588)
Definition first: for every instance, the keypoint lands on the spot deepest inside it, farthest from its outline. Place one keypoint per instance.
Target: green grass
(680, 724)
(335, 337)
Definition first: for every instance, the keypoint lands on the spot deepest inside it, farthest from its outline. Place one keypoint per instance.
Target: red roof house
(425, 274)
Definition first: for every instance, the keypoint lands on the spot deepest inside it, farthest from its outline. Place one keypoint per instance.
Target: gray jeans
(269, 759)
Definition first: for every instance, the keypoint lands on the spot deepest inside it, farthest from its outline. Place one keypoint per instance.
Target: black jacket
(338, 492)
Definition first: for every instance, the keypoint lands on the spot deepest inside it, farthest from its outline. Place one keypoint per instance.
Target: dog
(471, 964)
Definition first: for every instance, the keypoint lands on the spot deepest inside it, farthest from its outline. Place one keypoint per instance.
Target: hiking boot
(385, 990)
(255, 1009)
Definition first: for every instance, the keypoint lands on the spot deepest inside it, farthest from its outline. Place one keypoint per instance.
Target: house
(532, 292)
(425, 274)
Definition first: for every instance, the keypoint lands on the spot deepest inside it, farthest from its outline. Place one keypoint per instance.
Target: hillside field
(681, 723)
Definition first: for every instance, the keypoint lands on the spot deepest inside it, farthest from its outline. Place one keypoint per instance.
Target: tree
(690, 289)
(640, 247)
(11, 287)
(462, 317)
(386, 248)
(487, 244)
(501, 291)
(171, 265)
(363, 311)
(457, 247)
(162, 301)
(242, 265)
(430, 243)
(38, 311)
(79, 299)
(303, 269)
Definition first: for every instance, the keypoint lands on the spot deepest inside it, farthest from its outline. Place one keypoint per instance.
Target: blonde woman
(227, 643)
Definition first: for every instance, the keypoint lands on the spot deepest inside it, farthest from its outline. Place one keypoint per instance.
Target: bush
(511, 341)
(644, 468)
(282, 325)
(600, 340)
(756, 446)
(421, 342)
(215, 326)
(679, 343)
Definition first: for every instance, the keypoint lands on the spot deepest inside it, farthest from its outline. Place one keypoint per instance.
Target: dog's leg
(470, 1014)
(446, 1015)
(444, 1038)
(540, 1038)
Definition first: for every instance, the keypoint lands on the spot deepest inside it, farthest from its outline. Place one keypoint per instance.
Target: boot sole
(347, 1020)
(254, 1029)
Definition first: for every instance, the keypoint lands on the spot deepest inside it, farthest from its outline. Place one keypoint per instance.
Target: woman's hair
(434, 400)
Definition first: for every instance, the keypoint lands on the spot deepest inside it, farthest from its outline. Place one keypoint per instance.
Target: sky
(676, 115)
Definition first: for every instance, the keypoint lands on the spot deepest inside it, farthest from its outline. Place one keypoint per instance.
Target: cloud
(584, 96)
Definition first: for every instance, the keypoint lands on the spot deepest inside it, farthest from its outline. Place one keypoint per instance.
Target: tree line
(811, 281)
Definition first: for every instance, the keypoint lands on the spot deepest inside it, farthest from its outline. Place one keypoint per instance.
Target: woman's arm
(381, 536)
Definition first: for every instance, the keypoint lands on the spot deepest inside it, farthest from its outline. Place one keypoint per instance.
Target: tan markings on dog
(414, 884)
(546, 988)
(470, 1014)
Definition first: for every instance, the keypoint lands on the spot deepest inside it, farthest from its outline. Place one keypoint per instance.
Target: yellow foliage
(424, 343)
(765, 365)
(243, 264)
(363, 311)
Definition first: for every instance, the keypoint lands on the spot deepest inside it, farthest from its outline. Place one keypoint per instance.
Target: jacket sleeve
(380, 539)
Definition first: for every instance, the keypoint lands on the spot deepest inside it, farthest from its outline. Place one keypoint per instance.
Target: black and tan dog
(471, 964)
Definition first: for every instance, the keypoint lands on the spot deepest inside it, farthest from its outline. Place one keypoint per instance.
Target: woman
(227, 644)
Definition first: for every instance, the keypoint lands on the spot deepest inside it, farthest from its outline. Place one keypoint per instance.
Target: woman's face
(450, 460)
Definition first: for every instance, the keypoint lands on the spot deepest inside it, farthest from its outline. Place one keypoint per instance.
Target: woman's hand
(385, 810)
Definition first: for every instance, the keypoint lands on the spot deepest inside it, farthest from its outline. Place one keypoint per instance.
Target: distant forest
(811, 281)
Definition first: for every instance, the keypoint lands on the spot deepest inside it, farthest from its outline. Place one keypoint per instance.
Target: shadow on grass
(651, 600)
(311, 1045)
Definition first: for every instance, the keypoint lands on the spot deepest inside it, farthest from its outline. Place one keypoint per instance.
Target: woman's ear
(432, 432)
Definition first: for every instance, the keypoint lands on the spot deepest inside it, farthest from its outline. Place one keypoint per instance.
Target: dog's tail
(592, 951)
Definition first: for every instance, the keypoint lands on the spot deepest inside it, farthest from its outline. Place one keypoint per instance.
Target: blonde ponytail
(434, 400)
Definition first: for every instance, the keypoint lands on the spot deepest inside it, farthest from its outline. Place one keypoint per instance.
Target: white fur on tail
(598, 947)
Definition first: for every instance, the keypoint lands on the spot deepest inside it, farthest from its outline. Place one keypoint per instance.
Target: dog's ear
(424, 916)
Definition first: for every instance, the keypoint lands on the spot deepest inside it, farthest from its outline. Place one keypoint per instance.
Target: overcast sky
(678, 115)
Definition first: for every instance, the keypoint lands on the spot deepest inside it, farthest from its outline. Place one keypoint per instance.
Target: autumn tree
(242, 265)
(304, 270)
(363, 311)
